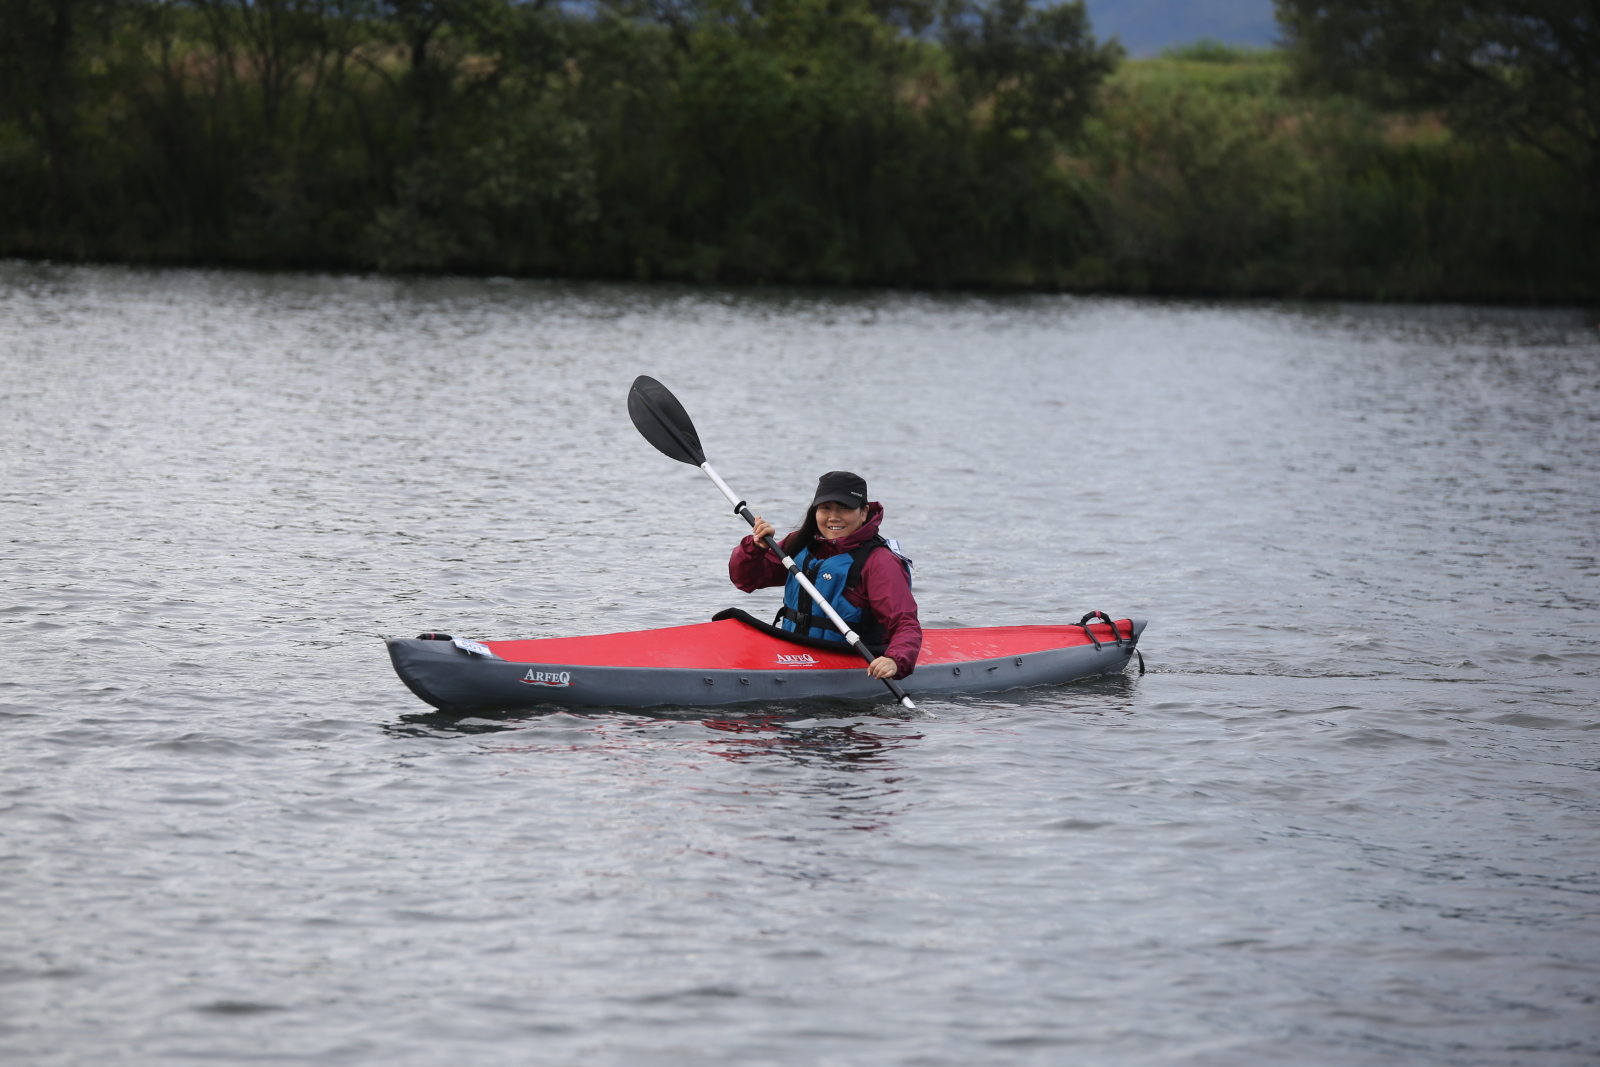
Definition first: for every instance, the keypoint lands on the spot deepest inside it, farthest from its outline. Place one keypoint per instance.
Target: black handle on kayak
(1103, 617)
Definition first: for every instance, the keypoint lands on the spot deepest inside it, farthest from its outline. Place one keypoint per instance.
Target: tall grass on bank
(1206, 178)
(812, 141)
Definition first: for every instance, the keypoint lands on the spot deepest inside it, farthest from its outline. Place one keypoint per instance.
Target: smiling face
(835, 520)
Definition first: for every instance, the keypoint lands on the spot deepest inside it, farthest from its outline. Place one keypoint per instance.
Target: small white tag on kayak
(474, 647)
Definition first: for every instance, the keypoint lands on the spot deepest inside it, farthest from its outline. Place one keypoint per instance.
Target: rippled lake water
(1350, 816)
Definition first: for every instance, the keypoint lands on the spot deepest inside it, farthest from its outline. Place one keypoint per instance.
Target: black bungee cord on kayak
(660, 417)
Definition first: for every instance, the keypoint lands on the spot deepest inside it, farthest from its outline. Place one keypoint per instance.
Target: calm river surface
(1350, 816)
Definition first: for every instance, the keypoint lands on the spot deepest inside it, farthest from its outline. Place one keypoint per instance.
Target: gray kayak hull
(452, 679)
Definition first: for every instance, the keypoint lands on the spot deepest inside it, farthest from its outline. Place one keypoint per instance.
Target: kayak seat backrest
(784, 635)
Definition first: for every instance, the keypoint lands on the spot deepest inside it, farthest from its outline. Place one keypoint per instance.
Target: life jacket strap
(804, 620)
(803, 617)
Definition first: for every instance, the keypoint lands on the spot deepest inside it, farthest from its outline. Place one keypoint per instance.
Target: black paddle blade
(662, 420)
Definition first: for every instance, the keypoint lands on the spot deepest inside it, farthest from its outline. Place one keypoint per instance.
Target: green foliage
(1528, 70)
(1207, 50)
(948, 143)
(1039, 67)
(1211, 178)
(799, 140)
(1200, 186)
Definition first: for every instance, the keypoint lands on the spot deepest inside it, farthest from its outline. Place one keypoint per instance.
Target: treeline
(900, 142)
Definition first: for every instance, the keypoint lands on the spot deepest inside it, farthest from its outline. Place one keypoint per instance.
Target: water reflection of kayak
(735, 658)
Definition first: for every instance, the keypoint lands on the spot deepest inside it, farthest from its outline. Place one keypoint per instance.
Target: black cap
(842, 487)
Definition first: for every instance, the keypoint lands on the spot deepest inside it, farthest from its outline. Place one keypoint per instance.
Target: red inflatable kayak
(736, 658)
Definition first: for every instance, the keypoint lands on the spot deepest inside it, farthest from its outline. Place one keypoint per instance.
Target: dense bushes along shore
(846, 141)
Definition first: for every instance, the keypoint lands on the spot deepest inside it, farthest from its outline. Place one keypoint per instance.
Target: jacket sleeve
(753, 566)
(887, 591)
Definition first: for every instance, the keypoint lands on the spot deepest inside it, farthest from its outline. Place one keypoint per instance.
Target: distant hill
(1148, 26)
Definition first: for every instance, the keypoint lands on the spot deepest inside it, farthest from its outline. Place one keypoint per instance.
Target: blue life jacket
(834, 576)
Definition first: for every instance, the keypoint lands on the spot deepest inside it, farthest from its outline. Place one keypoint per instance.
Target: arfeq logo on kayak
(559, 679)
(802, 660)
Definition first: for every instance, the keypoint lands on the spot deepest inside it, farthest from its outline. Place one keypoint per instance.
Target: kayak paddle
(660, 417)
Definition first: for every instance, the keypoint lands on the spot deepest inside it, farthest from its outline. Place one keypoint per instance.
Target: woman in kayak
(838, 547)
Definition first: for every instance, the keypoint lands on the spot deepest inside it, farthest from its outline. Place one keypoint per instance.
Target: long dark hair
(803, 537)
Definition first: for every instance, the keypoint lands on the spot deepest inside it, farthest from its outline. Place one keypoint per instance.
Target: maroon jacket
(883, 587)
